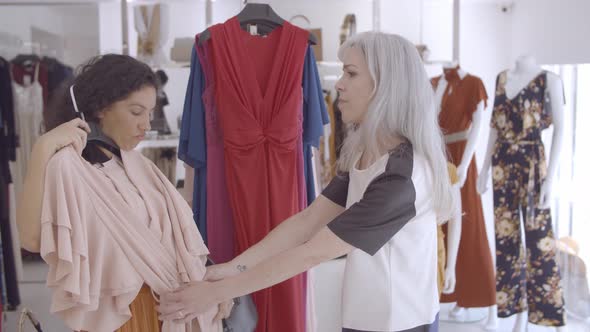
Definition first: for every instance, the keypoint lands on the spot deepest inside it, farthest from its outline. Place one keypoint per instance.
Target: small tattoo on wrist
(241, 268)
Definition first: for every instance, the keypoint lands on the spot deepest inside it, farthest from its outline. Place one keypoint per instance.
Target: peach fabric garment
(102, 246)
(475, 270)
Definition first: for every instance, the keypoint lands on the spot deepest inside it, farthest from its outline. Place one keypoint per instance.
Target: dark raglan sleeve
(337, 189)
(386, 207)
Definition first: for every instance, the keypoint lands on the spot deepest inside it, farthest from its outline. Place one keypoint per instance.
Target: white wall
(224, 9)
(77, 24)
(401, 17)
(80, 26)
(17, 20)
(484, 52)
(555, 32)
(437, 29)
(109, 25)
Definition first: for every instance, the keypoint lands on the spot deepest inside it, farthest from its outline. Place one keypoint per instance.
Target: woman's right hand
(219, 272)
(73, 133)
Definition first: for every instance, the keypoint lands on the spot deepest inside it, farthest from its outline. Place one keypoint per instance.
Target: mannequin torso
(471, 134)
(517, 79)
(521, 75)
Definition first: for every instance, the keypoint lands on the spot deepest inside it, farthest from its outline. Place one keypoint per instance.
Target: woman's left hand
(190, 300)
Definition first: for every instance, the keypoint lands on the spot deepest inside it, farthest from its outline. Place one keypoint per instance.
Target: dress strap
(501, 83)
(37, 71)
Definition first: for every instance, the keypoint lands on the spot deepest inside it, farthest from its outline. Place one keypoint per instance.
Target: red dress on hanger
(259, 98)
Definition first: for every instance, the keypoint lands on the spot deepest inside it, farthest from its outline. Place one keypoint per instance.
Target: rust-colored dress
(144, 317)
(475, 270)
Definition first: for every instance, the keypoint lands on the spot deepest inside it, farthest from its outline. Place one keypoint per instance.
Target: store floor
(36, 297)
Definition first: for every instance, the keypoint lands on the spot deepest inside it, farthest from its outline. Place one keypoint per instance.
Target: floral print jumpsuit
(527, 277)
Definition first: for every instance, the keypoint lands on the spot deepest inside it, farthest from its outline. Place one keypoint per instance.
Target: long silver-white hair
(402, 104)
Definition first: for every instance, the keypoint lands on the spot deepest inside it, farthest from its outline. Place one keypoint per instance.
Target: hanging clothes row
(29, 99)
(34, 81)
(247, 130)
(331, 143)
(328, 147)
(10, 297)
(26, 84)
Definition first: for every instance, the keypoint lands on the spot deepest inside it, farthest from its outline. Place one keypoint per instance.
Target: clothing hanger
(260, 14)
(26, 59)
(303, 17)
(96, 135)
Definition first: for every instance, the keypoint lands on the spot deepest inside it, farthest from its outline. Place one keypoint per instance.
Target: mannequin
(525, 71)
(151, 24)
(470, 136)
(473, 132)
(454, 235)
(454, 229)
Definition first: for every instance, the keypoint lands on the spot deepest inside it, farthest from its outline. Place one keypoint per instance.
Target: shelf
(158, 143)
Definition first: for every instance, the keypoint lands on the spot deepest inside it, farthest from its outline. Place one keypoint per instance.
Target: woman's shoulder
(401, 159)
(403, 150)
(65, 160)
(64, 170)
(404, 160)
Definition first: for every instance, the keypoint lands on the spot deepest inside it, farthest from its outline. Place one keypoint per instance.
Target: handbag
(181, 50)
(25, 315)
(243, 316)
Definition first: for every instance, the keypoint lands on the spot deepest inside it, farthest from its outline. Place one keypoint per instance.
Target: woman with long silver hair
(382, 210)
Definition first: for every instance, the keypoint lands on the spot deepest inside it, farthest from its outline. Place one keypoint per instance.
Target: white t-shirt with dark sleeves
(390, 278)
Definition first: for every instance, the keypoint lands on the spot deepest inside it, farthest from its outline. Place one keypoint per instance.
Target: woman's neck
(392, 144)
(384, 147)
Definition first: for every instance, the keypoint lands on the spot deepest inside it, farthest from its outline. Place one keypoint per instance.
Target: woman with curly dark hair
(113, 230)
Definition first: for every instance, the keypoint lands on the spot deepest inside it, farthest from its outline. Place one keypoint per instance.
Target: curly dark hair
(101, 82)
